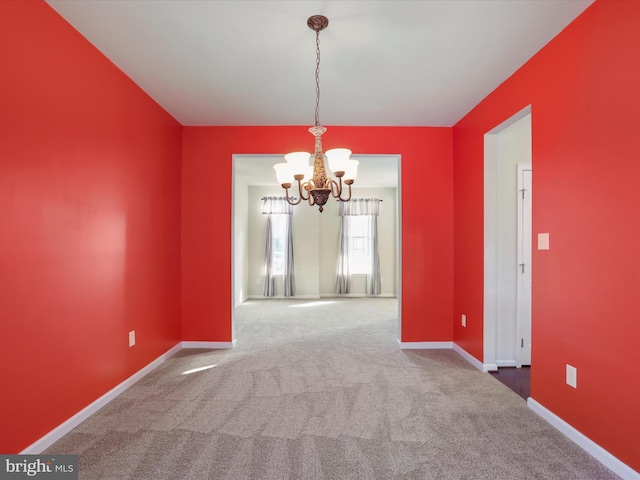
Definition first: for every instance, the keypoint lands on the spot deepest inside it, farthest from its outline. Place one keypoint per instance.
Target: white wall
(316, 238)
(240, 241)
(513, 146)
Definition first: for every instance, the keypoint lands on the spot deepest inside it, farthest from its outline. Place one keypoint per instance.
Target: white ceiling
(252, 62)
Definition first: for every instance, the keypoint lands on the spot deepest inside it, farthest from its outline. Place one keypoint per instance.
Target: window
(359, 258)
(358, 249)
(279, 240)
(278, 251)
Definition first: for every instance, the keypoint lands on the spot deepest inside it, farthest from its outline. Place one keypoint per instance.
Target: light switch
(572, 376)
(543, 241)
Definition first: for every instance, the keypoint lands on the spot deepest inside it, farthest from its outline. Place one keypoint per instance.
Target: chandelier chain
(317, 78)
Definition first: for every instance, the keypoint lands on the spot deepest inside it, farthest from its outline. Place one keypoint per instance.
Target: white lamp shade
(338, 158)
(283, 173)
(351, 170)
(298, 162)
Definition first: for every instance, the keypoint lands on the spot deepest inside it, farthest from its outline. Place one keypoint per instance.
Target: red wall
(583, 89)
(90, 209)
(427, 219)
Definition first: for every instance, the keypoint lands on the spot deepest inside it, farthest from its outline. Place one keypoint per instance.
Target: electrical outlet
(132, 338)
(572, 376)
(464, 320)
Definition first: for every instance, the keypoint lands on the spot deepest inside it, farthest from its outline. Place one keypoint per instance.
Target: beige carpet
(320, 390)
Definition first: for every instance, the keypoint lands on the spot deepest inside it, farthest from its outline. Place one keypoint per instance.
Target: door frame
(239, 165)
(520, 327)
(490, 283)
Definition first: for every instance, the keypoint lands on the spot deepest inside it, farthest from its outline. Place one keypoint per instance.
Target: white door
(523, 346)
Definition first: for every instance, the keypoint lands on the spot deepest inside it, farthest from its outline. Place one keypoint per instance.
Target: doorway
(506, 333)
(253, 176)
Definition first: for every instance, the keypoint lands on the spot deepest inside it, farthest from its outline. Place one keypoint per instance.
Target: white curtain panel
(269, 289)
(374, 280)
(369, 207)
(275, 205)
(343, 278)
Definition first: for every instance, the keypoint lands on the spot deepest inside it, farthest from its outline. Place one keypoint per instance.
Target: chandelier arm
(348, 198)
(336, 190)
(302, 187)
(308, 186)
(286, 190)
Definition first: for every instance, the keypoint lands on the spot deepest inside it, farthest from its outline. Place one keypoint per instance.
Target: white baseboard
(322, 295)
(588, 445)
(357, 295)
(282, 297)
(506, 363)
(424, 345)
(210, 345)
(595, 450)
(61, 430)
(65, 427)
(483, 367)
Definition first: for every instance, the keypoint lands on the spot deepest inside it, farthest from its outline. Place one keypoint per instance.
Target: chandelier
(313, 184)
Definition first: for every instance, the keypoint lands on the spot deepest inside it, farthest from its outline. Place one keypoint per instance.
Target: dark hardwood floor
(517, 379)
